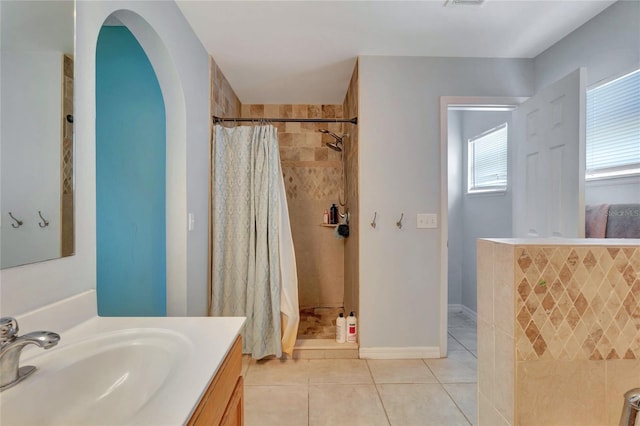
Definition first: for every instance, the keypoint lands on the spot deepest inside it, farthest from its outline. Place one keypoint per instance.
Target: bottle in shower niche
(325, 217)
(352, 328)
(341, 328)
(333, 214)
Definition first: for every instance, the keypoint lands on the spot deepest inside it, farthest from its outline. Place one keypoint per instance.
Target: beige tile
(319, 255)
(622, 376)
(257, 111)
(326, 354)
(335, 127)
(468, 337)
(293, 128)
(342, 354)
(400, 371)
(458, 367)
(276, 405)
(485, 280)
(561, 393)
(307, 154)
(328, 111)
(465, 395)
(245, 111)
(286, 111)
(300, 111)
(453, 345)
(272, 111)
(309, 354)
(460, 320)
(334, 405)
(504, 379)
(352, 371)
(488, 415)
(486, 359)
(277, 372)
(420, 404)
(504, 289)
(314, 111)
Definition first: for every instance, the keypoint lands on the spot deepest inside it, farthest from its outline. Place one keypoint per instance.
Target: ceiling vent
(463, 2)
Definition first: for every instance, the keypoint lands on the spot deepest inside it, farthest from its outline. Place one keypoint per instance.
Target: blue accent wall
(130, 179)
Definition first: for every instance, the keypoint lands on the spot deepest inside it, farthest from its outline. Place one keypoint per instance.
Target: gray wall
(483, 215)
(608, 46)
(399, 121)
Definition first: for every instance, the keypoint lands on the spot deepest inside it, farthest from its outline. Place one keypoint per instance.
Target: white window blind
(488, 161)
(613, 128)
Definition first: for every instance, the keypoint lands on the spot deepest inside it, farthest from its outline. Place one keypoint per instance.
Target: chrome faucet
(11, 346)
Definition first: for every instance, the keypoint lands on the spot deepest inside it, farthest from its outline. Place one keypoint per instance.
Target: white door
(549, 161)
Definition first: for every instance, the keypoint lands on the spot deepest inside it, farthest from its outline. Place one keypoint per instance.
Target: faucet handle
(8, 329)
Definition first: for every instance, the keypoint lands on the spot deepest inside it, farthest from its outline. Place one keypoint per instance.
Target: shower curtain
(253, 267)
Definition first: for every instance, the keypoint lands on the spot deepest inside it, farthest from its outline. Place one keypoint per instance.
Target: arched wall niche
(175, 112)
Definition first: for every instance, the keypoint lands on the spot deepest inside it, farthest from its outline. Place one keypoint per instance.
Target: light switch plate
(427, 220)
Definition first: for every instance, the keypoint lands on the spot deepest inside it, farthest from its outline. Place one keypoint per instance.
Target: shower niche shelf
(329, 225)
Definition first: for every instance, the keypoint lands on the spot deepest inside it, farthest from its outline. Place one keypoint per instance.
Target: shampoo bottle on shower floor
(352, 328)
(341, 328)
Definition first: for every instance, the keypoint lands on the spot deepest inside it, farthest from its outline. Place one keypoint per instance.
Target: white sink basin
(105, 379)
(116, 370)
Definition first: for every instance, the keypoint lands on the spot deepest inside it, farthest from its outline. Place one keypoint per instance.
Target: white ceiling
(304, 51)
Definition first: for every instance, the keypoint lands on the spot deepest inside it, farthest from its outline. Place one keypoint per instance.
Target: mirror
(36, 131)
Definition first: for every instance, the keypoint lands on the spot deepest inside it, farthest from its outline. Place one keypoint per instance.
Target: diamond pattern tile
(577, 303)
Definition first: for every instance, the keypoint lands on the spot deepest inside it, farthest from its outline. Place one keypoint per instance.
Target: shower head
(337, 145)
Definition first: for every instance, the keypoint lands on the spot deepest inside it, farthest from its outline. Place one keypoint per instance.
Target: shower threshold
(324, 349)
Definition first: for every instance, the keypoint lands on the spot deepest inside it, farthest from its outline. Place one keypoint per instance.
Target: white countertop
(608, 242)
(202, 343)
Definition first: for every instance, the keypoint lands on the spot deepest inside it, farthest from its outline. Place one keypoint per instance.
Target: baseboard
(412, 352)
(461, 308)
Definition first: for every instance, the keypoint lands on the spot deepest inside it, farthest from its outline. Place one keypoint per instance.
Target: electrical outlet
(427, 220)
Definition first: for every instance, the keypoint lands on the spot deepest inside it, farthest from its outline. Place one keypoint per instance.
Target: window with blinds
(613, 128)
(487, 157)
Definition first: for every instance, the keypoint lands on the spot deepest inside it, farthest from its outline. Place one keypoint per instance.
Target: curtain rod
(353, 120)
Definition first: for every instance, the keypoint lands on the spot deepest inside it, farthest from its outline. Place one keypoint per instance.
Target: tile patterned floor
(416, 392)
(318, 323)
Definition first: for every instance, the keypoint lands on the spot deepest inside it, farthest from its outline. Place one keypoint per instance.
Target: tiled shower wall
(558, 332)
(351, 263)
(67, 220)
(313, 181)
(224, 102)
(327, 267)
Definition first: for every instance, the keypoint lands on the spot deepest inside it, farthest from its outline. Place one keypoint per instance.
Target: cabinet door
(234, 414)
(225, 386)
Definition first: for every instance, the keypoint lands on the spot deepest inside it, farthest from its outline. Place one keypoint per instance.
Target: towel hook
(373, 222)
(18, 222)
(399, 223)
(44, 222)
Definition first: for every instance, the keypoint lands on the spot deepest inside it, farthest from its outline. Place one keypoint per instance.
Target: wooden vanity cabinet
(223, 401)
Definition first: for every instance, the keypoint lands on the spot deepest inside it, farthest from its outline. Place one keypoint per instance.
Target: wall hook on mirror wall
(44, 222)
(18, 223)
(373, 222)
(399, 223)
